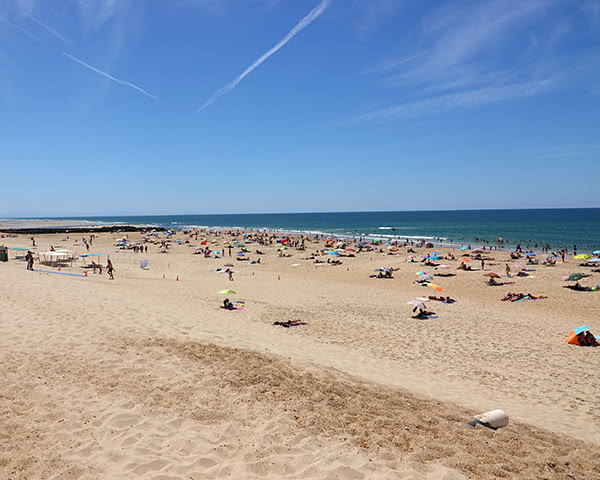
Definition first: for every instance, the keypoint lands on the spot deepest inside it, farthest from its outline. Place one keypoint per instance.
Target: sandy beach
(147, 377)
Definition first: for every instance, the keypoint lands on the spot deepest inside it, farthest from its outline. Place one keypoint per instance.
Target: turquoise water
(558, 227)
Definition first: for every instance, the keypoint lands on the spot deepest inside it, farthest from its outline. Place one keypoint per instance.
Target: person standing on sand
(482, 264)
(110, 269)
(29, 259)
(507, 270)
(32, 242)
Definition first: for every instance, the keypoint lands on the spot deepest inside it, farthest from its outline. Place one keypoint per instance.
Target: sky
(127, 107)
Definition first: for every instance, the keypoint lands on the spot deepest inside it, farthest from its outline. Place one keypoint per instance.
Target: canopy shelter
(20, 250)
(55, 258)
(90, 257)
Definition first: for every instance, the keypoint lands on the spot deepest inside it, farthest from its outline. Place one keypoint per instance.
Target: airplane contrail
(53, 32)
(94, 69)
(77, 60)
(305, 22)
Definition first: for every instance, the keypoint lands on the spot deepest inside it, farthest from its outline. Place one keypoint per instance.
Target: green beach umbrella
(227, 292)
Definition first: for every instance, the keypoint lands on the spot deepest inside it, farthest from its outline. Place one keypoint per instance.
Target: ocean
(557, 227)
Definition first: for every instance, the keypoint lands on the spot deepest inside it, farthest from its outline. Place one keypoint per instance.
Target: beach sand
(145, 377)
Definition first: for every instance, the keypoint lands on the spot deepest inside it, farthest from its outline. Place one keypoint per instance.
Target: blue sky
(233, 106)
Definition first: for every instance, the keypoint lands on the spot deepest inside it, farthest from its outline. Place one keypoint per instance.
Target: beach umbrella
(582, 256)
(491, 274)
(226, 292)
(332, 253)
(477, 250)
(596, 252)
(425, 278)
(463, 248)
(578, 330)
(530, 254)
(144, 264)
(594, 260)
(434, 286)
(416, 304)
(574, 277)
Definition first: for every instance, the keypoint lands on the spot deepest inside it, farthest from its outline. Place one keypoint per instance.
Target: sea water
(557, 227)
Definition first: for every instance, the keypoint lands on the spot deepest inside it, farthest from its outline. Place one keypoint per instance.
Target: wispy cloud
(50, 30)
(305, 22)
(95, 13)
(468, 98)
(477, 53)
(79, 61)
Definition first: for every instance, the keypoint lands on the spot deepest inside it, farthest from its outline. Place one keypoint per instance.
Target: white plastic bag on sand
(494, 419)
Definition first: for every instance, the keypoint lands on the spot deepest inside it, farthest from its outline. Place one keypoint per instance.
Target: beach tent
(572, 338)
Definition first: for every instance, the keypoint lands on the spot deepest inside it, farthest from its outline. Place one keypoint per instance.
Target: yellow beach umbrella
(582, 256)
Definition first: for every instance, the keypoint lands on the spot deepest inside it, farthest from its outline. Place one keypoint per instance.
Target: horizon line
(67, 217)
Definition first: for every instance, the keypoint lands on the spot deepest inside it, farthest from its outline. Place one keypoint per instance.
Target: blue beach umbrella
(596, 252)
(463, 248)
(529, 254)
(332, 253)
(578, 330)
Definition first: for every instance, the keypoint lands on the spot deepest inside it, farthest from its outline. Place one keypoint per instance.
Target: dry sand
(145, 377)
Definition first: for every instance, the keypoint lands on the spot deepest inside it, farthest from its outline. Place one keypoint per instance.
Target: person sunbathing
(586, 339)
(290, 323)
(438, 299)
(227, 305)
(493, 283)
(423, 314)
(579, 288)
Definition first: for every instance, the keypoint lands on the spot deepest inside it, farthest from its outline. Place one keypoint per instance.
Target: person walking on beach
(32, 242)
(29, 259)
(482, 264)
(110, 269)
